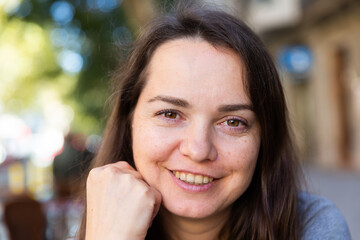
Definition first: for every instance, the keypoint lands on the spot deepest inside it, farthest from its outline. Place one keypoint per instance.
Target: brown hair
(268, 208)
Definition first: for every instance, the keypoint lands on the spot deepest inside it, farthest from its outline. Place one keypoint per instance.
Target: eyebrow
(183, 103)
(235, 107)
(174, 101)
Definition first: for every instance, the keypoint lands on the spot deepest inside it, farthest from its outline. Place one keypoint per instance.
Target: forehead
(194, 49)
(195, 64)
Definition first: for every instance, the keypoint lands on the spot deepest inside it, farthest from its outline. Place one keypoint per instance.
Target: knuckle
(151, 200)
(147, 194)
(130, 181)
(110, 171)
(123, 164)
(127, 178)
(142, 190)
(93, 174)
(100, 174)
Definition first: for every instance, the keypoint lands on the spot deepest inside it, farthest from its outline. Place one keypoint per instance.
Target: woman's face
(195, 137)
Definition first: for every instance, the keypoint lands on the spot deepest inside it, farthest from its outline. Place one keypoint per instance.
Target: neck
(183, 228)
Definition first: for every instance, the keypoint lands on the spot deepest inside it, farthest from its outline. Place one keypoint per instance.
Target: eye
(168, 114)
(233, 122)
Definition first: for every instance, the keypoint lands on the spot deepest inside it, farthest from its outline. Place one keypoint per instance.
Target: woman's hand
(120, 204)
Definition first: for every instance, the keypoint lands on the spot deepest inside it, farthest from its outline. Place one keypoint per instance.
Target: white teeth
(182, 176)
(198, 179)
(193, 179)
(205, 179)
(190, 178)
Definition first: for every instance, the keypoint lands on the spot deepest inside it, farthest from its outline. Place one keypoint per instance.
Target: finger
(122, 165)
(126, 168)
(158, 200)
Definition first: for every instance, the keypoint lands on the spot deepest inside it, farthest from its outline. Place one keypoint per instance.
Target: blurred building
(316, 45)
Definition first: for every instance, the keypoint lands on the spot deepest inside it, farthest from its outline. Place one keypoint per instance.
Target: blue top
(321, 219)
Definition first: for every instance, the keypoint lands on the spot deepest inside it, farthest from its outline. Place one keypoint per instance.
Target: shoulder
(321, 219)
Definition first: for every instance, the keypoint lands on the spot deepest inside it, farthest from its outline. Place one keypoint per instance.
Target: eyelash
(242, 124)
(166, 111)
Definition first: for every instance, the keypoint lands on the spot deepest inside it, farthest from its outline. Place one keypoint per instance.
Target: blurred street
(55, 60)
(341, 187)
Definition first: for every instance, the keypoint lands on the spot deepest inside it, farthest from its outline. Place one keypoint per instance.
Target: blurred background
(56, 59)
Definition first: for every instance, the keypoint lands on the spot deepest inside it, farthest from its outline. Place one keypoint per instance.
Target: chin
(190, 210)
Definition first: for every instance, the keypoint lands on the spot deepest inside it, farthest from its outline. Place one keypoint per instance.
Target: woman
(198, 145)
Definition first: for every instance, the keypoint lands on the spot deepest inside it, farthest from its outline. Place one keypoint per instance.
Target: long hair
(268, 208)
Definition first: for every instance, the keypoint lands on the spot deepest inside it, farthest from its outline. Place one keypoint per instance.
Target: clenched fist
(120, 204)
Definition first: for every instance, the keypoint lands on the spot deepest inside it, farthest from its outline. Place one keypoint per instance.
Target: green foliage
(27, 46)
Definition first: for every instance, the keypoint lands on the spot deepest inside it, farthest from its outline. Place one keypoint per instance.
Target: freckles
(238, 162)
(243, 157)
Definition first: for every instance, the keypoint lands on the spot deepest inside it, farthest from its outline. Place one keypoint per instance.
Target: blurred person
(69, 165)
(198, 145)
(24, 218)
(64, 210)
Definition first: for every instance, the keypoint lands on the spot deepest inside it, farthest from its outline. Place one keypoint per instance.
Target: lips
(196, 179)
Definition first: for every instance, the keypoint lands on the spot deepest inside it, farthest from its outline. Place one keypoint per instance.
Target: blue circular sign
(296, 59)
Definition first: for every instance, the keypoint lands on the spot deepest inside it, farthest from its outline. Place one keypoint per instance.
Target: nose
(197, 143)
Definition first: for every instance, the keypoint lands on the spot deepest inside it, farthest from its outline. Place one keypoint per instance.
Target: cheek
(152, 144)
(151, 148)
(242, 156)
(242, 166)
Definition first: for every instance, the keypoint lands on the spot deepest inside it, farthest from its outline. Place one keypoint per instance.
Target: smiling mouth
(195, 179)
